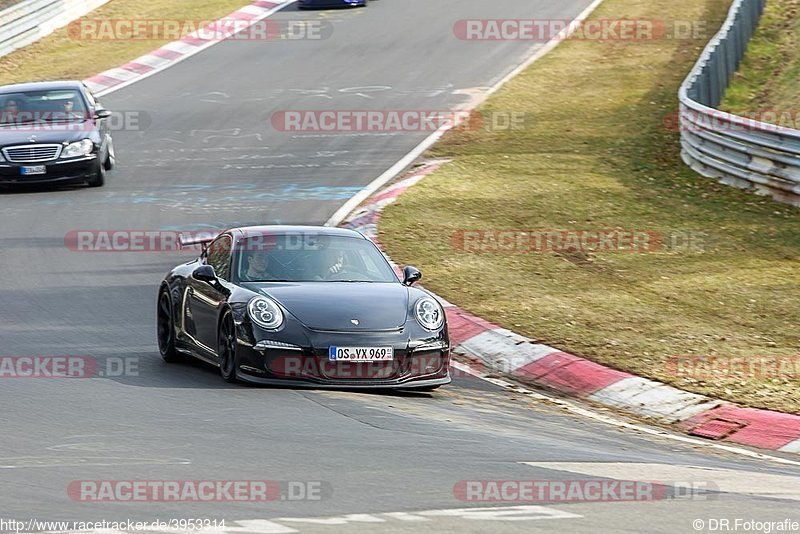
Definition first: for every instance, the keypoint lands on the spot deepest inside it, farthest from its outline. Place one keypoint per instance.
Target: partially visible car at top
(53, 132)
(308, 4)
(310, 306)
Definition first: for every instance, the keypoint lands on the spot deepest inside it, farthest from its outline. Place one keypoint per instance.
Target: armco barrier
(736, 150)
(29, 21)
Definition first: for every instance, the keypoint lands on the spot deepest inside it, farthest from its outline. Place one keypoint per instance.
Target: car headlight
(265, 313)
(76, 150)
(429, 314)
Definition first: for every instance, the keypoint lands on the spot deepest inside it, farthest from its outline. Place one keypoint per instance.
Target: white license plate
(34, 169)
(360, 354)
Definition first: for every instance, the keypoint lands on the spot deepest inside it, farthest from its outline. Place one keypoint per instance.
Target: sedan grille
(32, 153)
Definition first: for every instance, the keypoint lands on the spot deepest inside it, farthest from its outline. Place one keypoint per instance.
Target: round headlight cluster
(265, 313)
(429, 314)
(76, 150)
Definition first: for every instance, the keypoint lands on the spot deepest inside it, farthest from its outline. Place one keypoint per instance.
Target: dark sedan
(309, 4)
(313, 306)
(53, 132)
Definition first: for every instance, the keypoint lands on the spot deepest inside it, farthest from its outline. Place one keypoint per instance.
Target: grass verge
(61, 56)
(598, 156)
(767, 79)
(5, 4)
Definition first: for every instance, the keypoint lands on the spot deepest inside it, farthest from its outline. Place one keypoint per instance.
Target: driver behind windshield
(67, 110)
(332, 264)
(257, 264)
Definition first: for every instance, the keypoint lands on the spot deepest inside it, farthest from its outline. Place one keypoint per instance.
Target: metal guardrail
(30, 20)
(736, 150)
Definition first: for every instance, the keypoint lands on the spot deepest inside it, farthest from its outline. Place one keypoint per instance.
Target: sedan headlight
(265, 313)
(429, 314)
(76, 150)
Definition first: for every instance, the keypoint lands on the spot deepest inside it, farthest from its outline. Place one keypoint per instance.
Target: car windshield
(311, 257)
(54, 105)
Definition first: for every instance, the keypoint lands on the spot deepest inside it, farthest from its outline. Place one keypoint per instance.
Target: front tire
(99, 177)
(165, 328)
(111, 160)
(226, 351)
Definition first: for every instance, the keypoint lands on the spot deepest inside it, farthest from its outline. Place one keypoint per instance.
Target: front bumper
(75, 170)
(416, 364)
(408, 385)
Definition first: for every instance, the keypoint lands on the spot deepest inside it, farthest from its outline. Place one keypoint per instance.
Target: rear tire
(165, 328)
(226, 349)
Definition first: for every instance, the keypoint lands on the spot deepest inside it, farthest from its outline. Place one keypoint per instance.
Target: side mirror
(410, 275)
(205, 273)
(100, 113)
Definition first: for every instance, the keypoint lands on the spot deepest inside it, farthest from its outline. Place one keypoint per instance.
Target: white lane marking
(195, 50)
(84, 461)
(501, 513)
(335, 520)
(264, 526)
(404, 516)
(537, 52)
(504, 513)
(384, 178)
(585, 412)
(255, 526)
(726, 480)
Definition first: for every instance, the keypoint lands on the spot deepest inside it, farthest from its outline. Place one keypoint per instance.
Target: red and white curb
(177, 51)
(498, 350)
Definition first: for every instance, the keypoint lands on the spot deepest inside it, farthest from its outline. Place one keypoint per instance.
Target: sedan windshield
(55, 105)
(311, 257)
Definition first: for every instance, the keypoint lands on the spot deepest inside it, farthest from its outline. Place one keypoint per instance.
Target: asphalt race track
(208, 157)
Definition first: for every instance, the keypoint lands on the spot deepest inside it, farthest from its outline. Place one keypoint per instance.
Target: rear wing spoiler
(197, 238)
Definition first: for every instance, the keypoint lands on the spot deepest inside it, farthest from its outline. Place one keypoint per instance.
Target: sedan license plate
(34, 169)
(361, 354)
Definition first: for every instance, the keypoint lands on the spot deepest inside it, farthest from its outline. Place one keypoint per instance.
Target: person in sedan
(10, 112)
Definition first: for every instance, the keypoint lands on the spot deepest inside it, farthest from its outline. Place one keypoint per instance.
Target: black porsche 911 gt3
(299, 305)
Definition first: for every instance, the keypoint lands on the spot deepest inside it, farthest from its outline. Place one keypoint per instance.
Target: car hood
(335, 305)
(55, 133)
